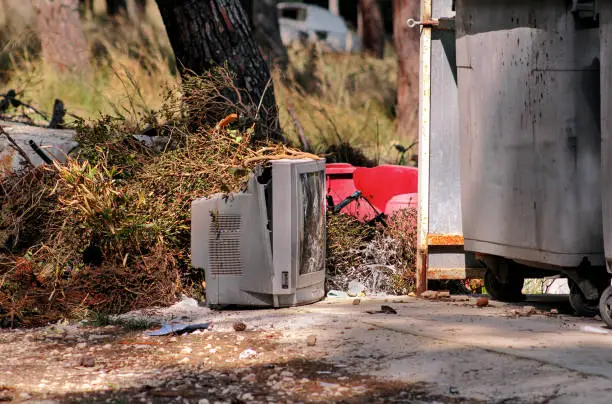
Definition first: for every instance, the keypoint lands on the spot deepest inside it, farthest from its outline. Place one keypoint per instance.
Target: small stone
(311, 340)
(356, 302)
(528, 311)
(286, 373)
(203, 401)
(82, 345)
(25, 396)
(429, 294)
(107, 346)
(482, 302)
(239, 326)
(87, 361)
(186, 350)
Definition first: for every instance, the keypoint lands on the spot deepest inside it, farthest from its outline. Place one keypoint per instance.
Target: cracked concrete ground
(430, 351)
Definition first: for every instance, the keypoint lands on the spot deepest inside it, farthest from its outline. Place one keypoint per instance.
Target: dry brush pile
(109, 230)
(382, 258)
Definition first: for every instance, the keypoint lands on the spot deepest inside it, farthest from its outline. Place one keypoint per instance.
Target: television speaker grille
(224, 245)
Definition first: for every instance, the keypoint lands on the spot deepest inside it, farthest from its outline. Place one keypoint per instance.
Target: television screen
(312, 225)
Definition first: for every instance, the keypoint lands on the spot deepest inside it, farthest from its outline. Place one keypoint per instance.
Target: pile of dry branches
(381, 258)
(109, 230)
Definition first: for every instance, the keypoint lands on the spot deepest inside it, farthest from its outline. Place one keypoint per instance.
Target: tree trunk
(373, 28)
(407, 46)
(215, 33)
(86, 8)
(62, 37)
(116, 7)
(141, 8)
(266, 31)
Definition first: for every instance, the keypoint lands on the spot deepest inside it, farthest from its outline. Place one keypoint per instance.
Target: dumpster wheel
(582, 306)
(605, 306)
(510, 291)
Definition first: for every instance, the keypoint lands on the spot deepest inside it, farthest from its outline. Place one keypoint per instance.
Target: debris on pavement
(178, 329)
(525, 311)
(337, 294)
(384, 310)
(482, 302)
(239, 326)
(311, 340)
(247, 354)
(356, 302)
(435, 295)
(356, 288)
(528, 311)
(594, 330)
(87, 361)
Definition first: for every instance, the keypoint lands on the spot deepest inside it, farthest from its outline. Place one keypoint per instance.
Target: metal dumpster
(605, 18)
(529, 119)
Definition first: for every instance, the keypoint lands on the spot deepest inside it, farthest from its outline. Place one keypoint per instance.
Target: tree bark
(116, 7)
(62, 36)
(266, 31)
(373, 28)
(141, 8)
(86, 8)
(216, 33)
(406, 41)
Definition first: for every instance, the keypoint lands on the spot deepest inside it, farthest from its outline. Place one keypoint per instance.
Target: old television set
(265, 246)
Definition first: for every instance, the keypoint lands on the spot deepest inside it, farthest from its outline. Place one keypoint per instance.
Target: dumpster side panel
(529, 123)
(605, 16)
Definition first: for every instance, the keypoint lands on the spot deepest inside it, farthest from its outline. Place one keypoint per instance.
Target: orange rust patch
(444, 240)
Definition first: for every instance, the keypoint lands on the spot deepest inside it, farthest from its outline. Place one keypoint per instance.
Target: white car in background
(301, 22)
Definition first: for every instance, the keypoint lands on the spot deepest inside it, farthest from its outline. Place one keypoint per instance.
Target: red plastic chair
(340, 185)
(380, 184)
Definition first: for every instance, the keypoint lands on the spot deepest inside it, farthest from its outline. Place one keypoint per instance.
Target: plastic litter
(337, 294)
(356, 288)
(594, 330)
(178, 329)
(248, 353)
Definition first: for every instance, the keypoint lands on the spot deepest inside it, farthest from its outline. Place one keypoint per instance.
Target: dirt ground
(445, 351)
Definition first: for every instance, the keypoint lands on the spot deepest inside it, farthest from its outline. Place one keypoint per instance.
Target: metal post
(334, 7)
(424, 132)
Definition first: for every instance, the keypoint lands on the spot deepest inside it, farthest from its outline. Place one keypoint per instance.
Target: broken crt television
(264, 246)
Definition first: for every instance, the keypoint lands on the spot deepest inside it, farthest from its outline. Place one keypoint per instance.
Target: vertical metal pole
(334, 7)
(424, 133)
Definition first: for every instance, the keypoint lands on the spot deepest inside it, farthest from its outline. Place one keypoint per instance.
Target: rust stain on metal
(444, 240)
(454, 273)
(421, 273)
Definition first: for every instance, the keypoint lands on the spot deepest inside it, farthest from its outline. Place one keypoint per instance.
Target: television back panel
(231, 239)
